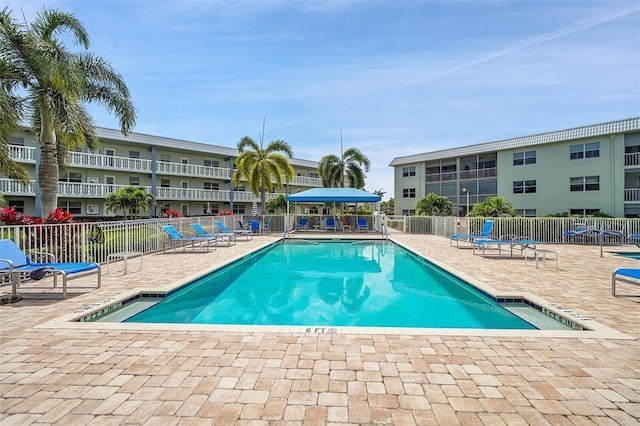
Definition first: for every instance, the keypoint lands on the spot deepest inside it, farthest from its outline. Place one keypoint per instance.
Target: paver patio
(75, 375)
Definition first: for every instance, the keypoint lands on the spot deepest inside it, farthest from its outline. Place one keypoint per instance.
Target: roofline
(149, 140)
(593, 130)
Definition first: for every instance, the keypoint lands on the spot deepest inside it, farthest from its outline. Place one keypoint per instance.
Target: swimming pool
(332, 283)
(630, 255)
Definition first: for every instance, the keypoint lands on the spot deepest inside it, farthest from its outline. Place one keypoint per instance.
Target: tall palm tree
(263, 168)
(333, 169)
(54, 86)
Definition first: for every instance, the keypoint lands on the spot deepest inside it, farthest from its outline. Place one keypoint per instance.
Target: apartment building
(579, 171)
(190, 177)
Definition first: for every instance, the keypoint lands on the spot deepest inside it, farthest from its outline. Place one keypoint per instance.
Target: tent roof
(340, 195)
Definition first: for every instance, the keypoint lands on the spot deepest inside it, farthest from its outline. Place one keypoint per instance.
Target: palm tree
(278, 204)
(263, 168)
(333, 169)
(50, 87)
(493, 207)
(10, 107)
(131, 199)
(434, 204)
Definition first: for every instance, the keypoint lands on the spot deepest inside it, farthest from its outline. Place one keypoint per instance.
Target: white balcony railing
(90, 160)
(632, 195)
(181, 169)
(632, 159)
(14, 187)
(22, 154)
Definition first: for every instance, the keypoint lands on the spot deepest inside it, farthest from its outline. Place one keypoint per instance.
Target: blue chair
(330, 224)
(484, 234)
(303, 224)
(177, 238)
(244, 232)
(511, 241)
(625, 275)
(362, 224)
(14, 262)
(224, 237)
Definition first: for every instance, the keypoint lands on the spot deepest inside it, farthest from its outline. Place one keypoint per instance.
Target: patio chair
(511, 241)
(244, 232)
(15, 263)
(362, 224)
(625, 275)
(303, 224)
(484, 234)
(176, 237)
(224, 237)
(267, 226)
(330, 224)
(345, 226)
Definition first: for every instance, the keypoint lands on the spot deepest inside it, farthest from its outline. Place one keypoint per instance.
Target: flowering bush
(172, 213)
(225, 213)
(58, 216)
(9, 216)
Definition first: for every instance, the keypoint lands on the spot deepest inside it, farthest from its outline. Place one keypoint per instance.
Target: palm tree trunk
(48, 171)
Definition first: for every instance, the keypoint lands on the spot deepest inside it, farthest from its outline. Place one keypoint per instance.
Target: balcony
(98, 190)
(479, 173)
(437, 177)
(22, 154)
(89, 160)
(632, 159)
(632, 195)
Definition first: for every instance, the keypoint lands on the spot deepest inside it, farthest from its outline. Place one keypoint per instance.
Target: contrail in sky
(533, 41)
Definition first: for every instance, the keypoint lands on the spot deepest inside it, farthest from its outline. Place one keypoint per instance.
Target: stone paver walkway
(77, 376)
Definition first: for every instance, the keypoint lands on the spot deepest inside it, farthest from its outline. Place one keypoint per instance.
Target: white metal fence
(549, 230)
(84, 242)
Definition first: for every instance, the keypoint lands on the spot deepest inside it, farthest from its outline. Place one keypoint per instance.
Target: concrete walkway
(76, 375)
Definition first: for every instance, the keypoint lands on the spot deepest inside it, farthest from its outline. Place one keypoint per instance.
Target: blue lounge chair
(484, 234)
(362, 224)
(176, 237)
(303, 224)
(14, 263)
(510, 241)
(625, 275)
(330, 224)
(227, 238)
(244, 232)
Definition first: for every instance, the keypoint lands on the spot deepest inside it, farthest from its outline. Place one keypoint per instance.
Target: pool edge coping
(592, 329)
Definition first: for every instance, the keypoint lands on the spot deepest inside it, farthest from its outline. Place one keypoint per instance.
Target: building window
(215, 186)
(584, 183)
(134, 154)
(240, 188)
(583, 212)
(238, 209)
(18, 205)
(208, 208)
(165, 183)
(314, 175)
(70, 177)
(16, 141)
(134, 181)
(165, 158)
(521, 158)
(73, 207)
(408, 212)
(587, 150)
(408, 171)
(524, 187)
(409, 193)
(211, 163)
(526, 212)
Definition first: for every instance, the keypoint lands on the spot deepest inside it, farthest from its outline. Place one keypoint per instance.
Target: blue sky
(398, 77)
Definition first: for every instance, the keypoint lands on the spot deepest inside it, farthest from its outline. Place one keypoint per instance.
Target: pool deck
(74, 374)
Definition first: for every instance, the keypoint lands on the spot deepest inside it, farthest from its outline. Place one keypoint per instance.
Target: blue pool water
(630, 255)
(332, 284)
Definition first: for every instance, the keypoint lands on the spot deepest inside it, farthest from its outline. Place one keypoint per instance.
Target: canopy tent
(330, 195)
(335, 195)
